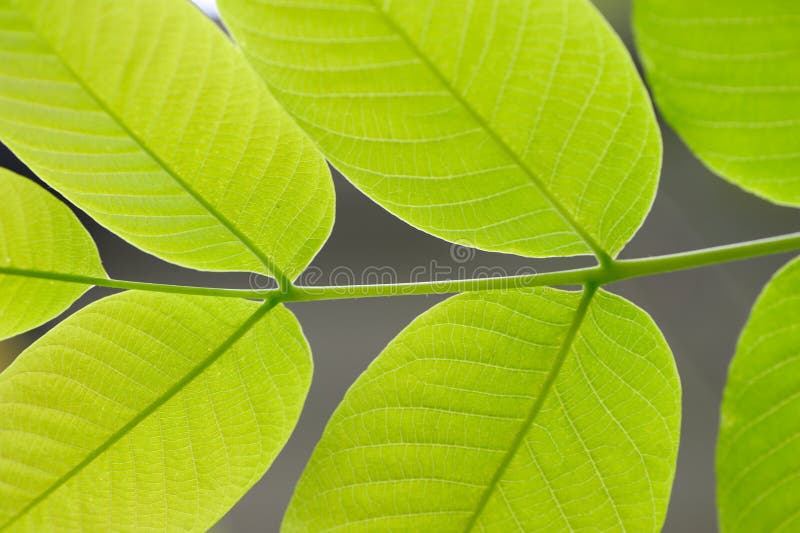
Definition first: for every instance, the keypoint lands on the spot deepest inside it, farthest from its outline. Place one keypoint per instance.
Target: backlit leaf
(144, 115)
(38, 233)
(726, 75)
(758, 453)
(518, 411)
(147, 412)
(517, 125)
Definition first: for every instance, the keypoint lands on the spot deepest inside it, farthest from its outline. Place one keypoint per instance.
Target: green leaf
(148, 412)
(517, 126)
(38, 233)
(534, 411)
(758, 452)
(726, 75)
(144, 115)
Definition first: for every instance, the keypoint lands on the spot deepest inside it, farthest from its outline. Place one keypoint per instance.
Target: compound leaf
(758, 452)
(539, 410)
(516, 126)
(145, 116)
(39, 234)
(147, 412)
(726, 75)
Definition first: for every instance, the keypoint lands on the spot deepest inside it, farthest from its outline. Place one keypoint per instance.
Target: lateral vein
(580, 313)
(147, 411)
(266, 261)
(602, 256)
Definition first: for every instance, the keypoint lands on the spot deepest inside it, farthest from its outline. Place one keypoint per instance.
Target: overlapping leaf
(147, 412)
(726, 75)
(758, 453)
(144, 115)
(517, 411)
(40, 234)
(518, 126)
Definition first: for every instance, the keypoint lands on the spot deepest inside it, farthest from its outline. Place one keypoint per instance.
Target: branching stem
(599, 275)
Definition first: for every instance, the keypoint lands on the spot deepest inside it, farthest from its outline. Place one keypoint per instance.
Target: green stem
(600, 275)
(595, 275)
(134, 285)
(635, 268)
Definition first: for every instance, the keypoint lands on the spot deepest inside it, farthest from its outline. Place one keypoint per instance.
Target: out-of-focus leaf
(758, 453)
(726, 75)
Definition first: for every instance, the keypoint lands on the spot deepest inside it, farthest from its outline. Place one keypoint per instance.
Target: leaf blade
(757, 447)
(733, 100)
(202, 170)
(438, 448)
(37, 232)
(199, 393)
(435, 143)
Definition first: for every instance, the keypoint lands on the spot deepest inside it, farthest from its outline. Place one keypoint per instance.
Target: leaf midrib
(602, 256)
(266, 261)
(580, 312)
(147, 411)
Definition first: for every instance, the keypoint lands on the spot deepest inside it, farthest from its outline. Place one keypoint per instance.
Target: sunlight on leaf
(145, 116)
(515, 126)
(38, 232)
(148, 412)
(726, 75)
(532, 411)
(758, 453)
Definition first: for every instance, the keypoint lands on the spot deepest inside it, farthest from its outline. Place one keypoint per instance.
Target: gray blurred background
(700, 312)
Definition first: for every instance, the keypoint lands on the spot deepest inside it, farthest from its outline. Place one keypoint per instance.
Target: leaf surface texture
(516, 126)
(515, 411)
(147, 412)
(38, 233)
(145, 116)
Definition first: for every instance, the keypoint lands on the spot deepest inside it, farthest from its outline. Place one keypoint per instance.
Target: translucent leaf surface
(144, 115)
(517, 126)
(38, 233)
(726, 75)
(515, 411)
(758, 453)
(147, 412)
